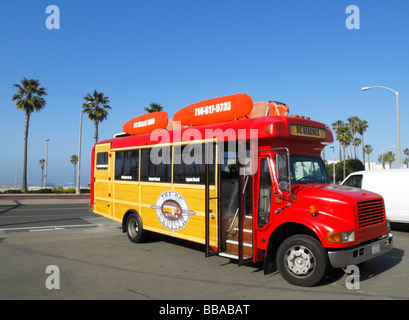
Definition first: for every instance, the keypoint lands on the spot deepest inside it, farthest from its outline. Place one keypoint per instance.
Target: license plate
(376, 248)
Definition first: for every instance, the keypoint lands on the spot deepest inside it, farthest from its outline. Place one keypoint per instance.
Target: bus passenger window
(156, 164)
(127, 165)
(189, 164)
(102, 160)
(264, 198)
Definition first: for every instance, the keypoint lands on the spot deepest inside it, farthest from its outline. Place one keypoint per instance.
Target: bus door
(103, 172)
(235, 185)
(268, 205)
(265, 192)
(212, 201)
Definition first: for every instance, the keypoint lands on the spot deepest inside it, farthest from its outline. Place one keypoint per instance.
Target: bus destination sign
(306, 131)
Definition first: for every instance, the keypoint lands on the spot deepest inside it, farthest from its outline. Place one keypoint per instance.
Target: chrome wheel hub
(299, 261)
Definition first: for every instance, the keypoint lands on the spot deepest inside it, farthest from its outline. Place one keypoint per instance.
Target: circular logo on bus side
(172, 210)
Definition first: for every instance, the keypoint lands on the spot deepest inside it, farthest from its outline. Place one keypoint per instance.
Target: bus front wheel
(134, 228)
(302, 261)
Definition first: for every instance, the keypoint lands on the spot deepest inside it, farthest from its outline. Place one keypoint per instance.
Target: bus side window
(264, 198)
(102, 160)
(156, 164)
(126, 165)
(190, 164)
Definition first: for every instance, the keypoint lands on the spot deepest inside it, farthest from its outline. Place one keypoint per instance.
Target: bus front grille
(371, 212)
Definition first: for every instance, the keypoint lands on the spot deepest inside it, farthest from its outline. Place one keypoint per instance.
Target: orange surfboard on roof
(146, 123)
(215, 110)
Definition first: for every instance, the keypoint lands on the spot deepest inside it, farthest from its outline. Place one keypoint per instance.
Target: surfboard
(146, 123)
(215, 110)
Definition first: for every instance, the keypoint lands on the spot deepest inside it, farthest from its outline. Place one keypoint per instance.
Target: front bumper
(359, 254)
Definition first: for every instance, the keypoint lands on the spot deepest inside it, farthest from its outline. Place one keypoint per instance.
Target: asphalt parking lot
(95, 260)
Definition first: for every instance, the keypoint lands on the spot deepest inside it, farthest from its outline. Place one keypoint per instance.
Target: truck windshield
(308, 170)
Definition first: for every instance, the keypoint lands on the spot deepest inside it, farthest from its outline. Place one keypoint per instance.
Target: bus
(247, 182)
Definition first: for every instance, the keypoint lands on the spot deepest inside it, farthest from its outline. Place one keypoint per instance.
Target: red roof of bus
(269, 127)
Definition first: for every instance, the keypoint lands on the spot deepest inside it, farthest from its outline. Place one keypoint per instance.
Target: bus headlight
(340, 237)
(388, 225)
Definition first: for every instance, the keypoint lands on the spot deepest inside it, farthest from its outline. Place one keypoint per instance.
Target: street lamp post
(46, 163)
(397, 115)
(78, 191)
(333, 164)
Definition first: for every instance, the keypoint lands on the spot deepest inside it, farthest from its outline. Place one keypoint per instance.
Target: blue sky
(180, 52)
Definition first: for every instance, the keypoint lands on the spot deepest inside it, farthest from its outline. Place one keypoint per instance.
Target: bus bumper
(357, 255)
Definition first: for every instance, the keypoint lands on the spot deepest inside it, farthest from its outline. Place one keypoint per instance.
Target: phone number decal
(220, 107)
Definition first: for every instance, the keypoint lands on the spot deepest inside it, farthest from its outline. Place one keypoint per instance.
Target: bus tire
(134, 228)
(302, 261)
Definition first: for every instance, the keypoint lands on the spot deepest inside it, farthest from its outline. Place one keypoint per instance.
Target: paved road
(97, 261)
(42, 213)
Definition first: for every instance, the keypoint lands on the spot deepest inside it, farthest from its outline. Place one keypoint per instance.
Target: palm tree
(345, 138)
(74, 161)
(336, 127)
(406, 160)
(368, 150)
(352, 124)
(154, 107)
(382, 160)
(96, 108)
(28, 98)
(390, 157)
(362, 125)
(42, 164)
(357, 142)
(387, 157)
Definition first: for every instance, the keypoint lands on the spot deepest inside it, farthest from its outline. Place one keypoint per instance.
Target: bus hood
(337, 205)
(337, 192)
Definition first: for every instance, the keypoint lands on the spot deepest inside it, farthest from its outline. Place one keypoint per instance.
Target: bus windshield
(308, 170)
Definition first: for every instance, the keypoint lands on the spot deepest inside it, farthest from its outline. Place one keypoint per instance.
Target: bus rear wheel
(302, 261)
(134, 228)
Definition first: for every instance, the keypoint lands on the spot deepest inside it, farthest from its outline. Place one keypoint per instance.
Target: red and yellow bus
(249, 186)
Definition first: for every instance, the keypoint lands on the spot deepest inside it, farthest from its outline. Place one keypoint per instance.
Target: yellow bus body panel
(113, 198)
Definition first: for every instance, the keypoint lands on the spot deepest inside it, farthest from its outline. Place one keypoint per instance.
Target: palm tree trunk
(24, 186)
(96, 132)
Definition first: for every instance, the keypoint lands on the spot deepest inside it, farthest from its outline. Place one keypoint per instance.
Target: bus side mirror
(282, 172)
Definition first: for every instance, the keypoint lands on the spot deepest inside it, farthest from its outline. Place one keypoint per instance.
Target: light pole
(397, 115)
(333, 164)
(46, 163)
(78, 191)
